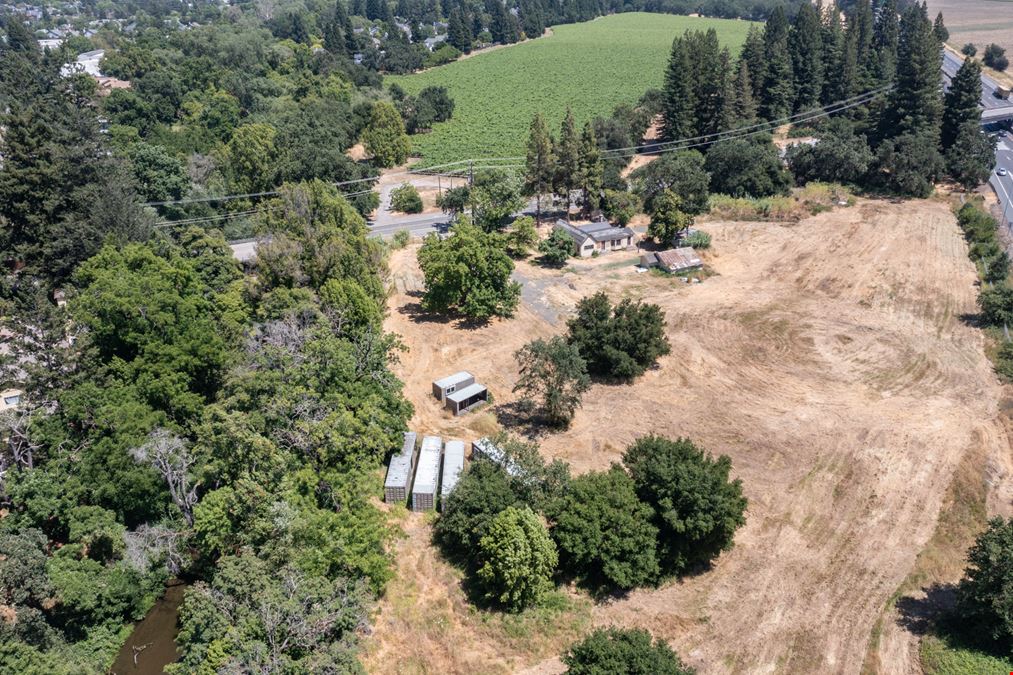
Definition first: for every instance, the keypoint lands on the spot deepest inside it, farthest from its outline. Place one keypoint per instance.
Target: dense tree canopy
(518, 558)
(619, 341)
(984, 593)
(696, 507)
(604, 532)
(468, 273)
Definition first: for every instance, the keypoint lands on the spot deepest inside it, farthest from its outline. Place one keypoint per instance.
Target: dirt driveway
(832, 362)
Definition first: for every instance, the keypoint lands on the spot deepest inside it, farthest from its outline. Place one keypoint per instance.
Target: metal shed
(463, 399)
(453, 465)
(483, 447)
(399, 473)
(427, 474)
(452, 383)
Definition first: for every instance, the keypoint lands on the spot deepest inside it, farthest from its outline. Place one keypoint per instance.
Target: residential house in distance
(673, 260)
(602, 237)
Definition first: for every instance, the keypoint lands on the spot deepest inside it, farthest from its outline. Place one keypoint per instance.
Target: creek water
(152, 645)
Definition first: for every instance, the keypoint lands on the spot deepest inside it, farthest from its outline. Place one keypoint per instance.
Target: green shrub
(518, 559)
(623, 651)
(697, 239)
(1004, 362)
(400, 239)
(444, 54)
(940, 658)
(405, 198)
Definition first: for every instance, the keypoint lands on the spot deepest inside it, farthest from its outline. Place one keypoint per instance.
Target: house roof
(682, 258)
(601, 231)
(453, 379)
(466, 393)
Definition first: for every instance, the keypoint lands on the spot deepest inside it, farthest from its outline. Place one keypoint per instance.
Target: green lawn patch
(591, 67)
(941, 658)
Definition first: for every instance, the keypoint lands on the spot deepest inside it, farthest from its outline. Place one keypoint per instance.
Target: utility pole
(471, 191)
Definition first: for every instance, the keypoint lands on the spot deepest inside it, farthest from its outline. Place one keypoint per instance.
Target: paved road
(1003, 185)
(989, 101)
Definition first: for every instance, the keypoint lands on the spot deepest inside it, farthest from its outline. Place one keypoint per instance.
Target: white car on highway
(1002, 171)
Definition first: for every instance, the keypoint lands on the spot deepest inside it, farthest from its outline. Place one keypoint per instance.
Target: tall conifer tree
(540, 164)
(678, 105)
(962, 103)
(806, 46)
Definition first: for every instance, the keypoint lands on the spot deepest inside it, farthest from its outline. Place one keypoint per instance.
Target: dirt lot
(830, 359)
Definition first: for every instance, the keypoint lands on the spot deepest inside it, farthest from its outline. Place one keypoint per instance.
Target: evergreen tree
(939, 29)
(806, 47)
(334, 38)
(778, 83)
(540, 164)
(458, 34)
(885, 41)
(970, 157)
(860, 29)
(708, 77)
(745, 104)
(351, 42)
(752, 55)
(678, 104)
(591, 170)
(833, 54)
(502, 26)
(730, 114)
(567, 151)
(915, 104)
(962, 102)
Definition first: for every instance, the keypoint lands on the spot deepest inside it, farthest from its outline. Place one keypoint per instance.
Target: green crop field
(590, 67)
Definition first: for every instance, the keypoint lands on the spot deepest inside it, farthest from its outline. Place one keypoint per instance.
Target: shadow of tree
(418, 314)
(922, 614)
(522, 419)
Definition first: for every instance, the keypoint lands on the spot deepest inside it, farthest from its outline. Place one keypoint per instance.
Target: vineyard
(590, 67)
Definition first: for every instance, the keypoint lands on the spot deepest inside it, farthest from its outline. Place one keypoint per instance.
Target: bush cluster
(669, 509)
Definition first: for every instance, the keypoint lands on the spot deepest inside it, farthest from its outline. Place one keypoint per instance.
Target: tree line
(901, 141)
(669, 509)
(178, 417)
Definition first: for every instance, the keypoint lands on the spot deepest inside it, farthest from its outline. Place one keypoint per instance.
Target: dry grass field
(830, 359)
(977, 21)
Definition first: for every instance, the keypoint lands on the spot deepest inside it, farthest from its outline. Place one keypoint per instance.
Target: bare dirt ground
(830, 359)
(977, 21)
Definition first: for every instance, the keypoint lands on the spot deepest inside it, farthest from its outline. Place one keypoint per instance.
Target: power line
(468, 165)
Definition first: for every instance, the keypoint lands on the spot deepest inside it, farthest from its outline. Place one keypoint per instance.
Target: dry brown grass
(977, 21)
(829, 359)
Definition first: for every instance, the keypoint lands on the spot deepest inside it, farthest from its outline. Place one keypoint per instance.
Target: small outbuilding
(600, 236)
(452, 383)
(399, 472)
(485, 448)
(674, 260)
(464, 399)
(453, 465)
(427, 474)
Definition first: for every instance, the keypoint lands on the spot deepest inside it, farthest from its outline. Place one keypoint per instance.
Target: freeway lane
(1003, 185)
(952, 63)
